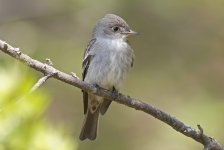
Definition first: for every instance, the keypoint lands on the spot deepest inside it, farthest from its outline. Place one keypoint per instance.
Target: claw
(96, 87)
(115, 93)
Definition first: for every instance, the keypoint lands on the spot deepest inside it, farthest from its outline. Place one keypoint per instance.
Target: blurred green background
(179, 65)
(23, 125)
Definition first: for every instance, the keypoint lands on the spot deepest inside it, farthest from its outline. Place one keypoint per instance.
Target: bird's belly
(112, 78)
(116, 71)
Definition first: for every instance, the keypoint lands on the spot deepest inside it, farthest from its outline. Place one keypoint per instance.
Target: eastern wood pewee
(107, 59)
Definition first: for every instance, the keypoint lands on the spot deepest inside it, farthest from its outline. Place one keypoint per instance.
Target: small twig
(208, 142)
(199, 136)
(49, 62)
(74, 75)
(43, 79)
(40, 82)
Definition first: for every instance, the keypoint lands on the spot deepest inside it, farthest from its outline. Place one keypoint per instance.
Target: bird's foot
(115, 93)
(96, 87)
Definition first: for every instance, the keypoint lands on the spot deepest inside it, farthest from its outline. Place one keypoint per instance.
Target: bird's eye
(115, 29)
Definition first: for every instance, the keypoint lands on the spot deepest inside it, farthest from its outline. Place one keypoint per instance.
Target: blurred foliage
(23, 126)
(178, 67)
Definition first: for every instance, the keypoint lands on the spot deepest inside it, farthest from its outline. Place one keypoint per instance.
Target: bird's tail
(89, 128)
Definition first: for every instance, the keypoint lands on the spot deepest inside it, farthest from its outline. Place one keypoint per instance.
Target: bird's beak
(131, 32)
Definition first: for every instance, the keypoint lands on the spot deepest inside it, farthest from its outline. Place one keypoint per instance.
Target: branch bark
(196, 134)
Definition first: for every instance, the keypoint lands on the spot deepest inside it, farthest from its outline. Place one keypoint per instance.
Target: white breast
(116, 72)
(114, 44)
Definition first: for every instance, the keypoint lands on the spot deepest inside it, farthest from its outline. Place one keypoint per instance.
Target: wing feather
(85, 65)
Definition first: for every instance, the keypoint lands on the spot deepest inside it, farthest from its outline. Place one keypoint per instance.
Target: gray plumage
(107, 59)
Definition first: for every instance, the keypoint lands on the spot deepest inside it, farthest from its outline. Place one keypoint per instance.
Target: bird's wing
(88, 56)
(132, 54)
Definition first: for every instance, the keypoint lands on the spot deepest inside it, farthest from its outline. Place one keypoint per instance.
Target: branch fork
(46, 76)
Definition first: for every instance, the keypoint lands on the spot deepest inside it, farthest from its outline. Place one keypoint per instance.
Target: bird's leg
(115, 93)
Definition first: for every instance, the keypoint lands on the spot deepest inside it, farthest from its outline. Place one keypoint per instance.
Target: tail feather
(105, 105)
(89, 128)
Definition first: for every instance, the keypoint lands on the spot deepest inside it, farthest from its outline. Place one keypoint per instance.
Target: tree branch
(43, 79)
(40, 82)
(198, 135)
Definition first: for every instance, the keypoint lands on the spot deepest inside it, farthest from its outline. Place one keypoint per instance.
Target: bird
(107, 59)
